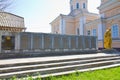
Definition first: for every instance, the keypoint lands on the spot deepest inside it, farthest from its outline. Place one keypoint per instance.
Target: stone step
(47, 71)
(55, 64)
(73, 71)
(50, 61)
(76, 67)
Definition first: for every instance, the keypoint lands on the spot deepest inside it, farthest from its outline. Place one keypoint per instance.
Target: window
(77, 5)
(94, 32)
(88, 32)
(78, 32)
(84, 6)
(115, 31)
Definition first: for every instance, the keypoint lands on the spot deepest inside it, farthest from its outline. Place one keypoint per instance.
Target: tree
(5, 4)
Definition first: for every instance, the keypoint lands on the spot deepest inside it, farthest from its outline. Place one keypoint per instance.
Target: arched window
(77, 5)
(115, 31)
(84, 6)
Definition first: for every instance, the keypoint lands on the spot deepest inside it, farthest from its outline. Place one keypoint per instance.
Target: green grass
(105, 74)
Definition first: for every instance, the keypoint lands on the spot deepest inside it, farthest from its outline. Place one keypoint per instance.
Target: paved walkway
(25, 60)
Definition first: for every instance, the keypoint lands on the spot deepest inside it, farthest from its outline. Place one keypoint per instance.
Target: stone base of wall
(114, 50)
(43, 54)
(118, 49)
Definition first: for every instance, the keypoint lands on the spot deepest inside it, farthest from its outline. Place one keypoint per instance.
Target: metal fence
(56, 42)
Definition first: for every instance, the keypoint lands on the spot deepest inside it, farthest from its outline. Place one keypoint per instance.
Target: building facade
(10, 26)
(81, 22)
(110, 18)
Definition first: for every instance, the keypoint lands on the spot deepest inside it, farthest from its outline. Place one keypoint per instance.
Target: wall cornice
(114, 17)
(93, 22)
(109, 5)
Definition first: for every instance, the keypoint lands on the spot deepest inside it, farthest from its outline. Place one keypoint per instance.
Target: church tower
(79, 5)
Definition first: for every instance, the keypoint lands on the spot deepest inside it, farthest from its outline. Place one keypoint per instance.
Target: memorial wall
(55, 42)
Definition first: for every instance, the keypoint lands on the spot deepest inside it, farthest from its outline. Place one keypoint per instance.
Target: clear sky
(39, 13)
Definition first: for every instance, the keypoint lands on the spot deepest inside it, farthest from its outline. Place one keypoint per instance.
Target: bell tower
(78, 5)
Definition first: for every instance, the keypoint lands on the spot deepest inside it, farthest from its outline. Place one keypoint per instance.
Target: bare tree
(5, 4)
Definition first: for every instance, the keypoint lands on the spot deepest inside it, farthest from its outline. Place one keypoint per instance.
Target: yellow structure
(107, 39)
(73, 23)
(81, 22)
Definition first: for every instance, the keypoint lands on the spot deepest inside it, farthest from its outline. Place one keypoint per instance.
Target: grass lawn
(105, 74)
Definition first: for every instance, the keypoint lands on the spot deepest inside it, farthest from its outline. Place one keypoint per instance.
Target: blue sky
(39, 13)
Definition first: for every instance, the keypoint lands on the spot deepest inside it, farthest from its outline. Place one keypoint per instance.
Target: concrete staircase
(58, 66)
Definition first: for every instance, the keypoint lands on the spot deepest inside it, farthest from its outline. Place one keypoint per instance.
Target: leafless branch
(5, 4)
